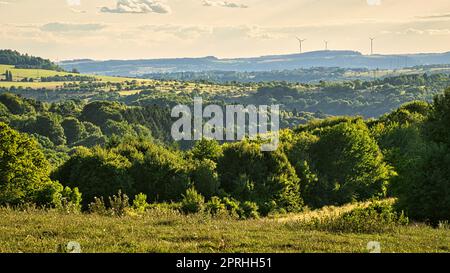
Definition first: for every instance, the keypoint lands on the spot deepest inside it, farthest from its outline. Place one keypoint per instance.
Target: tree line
(12, 57)
(334, 161)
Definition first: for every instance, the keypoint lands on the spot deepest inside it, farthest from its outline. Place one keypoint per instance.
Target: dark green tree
(349, 165)
(424, 189)
(73, 130)
(48, 125)
(97, 173)
(267, 178)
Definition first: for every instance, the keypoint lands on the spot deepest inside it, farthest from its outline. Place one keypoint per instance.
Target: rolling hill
(343, 59)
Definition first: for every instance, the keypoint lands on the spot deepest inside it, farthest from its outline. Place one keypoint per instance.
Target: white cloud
(185, 32)
(225, 4)
(5, 2)
(374, 2)
(70, 27)
(138, 6)
(73, 2)
(436, 16)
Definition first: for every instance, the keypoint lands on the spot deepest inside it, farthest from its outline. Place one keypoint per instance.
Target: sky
(139, 29)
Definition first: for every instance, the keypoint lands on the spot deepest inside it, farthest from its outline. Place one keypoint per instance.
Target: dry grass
(166, 231)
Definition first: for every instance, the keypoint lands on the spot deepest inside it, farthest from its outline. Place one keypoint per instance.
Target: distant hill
(342, 59)
(12, 57)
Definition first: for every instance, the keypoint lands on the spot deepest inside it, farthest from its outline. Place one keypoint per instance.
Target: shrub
(98, 206)
(140, 203)
(119, 204)
(71, 200)
(215, 206)
(378, 217)
(192, 202)
(232, 206)
(248, 210)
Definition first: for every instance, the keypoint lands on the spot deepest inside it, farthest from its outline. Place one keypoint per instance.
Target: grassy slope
(19, 74)
(39, 231)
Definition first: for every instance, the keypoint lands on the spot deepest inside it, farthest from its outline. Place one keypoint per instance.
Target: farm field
(36, 74)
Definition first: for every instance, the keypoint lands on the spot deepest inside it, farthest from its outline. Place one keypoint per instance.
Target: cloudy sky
(130, 29)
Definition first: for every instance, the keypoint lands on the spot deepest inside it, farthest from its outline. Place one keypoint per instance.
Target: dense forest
(75, 155)
(12, 57)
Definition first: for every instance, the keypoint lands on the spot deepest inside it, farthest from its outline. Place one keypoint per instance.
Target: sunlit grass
(166, 231)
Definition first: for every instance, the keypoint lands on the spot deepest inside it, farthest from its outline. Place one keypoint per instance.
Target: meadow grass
(36, 74)
(160, 231)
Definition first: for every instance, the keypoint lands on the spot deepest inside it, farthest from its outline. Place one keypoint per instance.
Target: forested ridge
(12, 57)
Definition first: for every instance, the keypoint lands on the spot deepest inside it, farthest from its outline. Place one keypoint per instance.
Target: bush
(248, 210)
(98, 206)
(232, 206)
(70, 200)
(119, 204)
(192, 202)
(140, 203)
(215, 207)
(378, 217)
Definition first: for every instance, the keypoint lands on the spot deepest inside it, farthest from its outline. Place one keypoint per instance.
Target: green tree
(48, 125)
(207, 149)
(267, 178)
(16, 105)
(161, 174)
(97, 173)
(205, 178)
(73, 129)
(349, 165)
(99, 112)
(24, 171)
(424, 185)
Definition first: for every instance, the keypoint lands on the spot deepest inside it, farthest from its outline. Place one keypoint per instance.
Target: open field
(30, 73)
(19, 74)
(162, 86)
(158, 231)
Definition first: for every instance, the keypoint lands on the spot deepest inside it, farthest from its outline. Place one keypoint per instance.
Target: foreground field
(40, 231)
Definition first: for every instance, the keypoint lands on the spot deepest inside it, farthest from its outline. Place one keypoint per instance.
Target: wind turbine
(326, 44)
(301, 44)
(371, 45)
